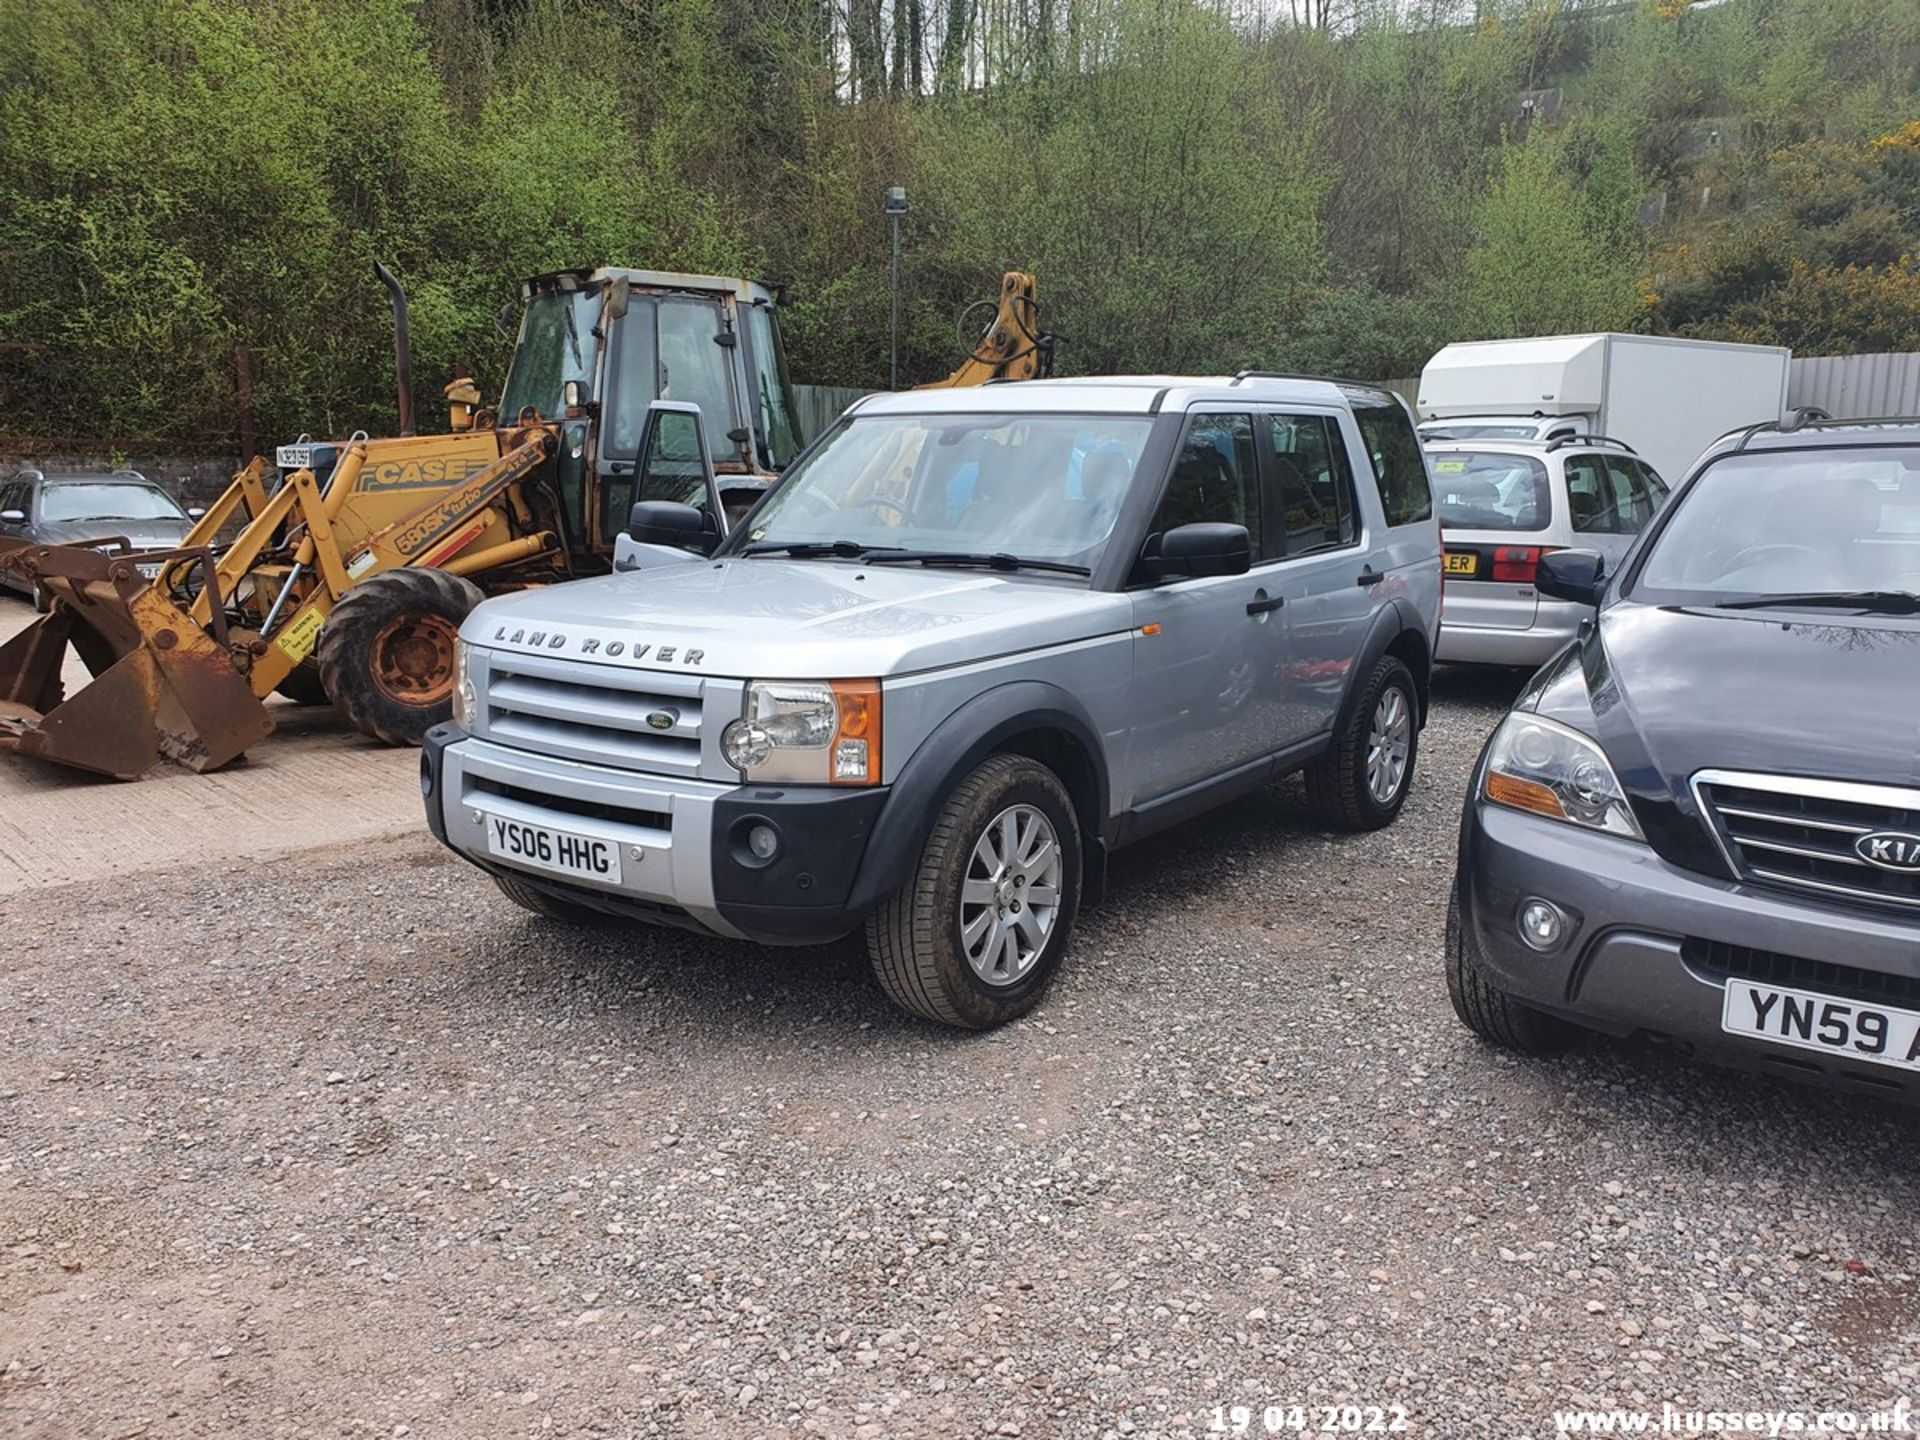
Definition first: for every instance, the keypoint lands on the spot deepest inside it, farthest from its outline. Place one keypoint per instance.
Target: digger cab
(596, 348)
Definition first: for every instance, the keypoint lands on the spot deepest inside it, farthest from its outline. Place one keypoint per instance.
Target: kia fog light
(1542, 925)
(1546, 768)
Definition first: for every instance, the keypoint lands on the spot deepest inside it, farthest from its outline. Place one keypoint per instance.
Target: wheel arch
(1027, 717)
(1397, 632)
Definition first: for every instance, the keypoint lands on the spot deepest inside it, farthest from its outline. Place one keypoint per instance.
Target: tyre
(386, 654)
(1361, 783)
(1491, 1013)
(544, 905)
(302, 685)
(980, 928)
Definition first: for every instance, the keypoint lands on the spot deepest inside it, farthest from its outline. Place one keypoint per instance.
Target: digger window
(777, 422)
(556, 345)
(669, 350)
(693, 364)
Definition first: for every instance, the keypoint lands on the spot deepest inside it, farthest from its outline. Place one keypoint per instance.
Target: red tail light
(1518, 564)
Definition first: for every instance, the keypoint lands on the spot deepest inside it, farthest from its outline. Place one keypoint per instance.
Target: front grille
(1722, 962)
(597, 713)
(1796, 834)
(642, 816)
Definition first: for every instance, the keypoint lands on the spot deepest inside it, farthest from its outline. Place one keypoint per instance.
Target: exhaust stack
(402, 346)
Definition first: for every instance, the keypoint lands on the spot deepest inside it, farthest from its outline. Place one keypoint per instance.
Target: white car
(1505, 503)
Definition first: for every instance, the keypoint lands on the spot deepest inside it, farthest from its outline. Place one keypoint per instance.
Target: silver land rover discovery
(972, 642)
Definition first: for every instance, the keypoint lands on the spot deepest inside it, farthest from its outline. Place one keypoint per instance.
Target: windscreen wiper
(806, 549)
(998, 561)
(573, 334)
(1885, 602)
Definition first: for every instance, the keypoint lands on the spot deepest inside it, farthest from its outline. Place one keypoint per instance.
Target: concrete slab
(314, 783)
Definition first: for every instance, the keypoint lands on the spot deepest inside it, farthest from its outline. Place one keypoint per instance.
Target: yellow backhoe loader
(343, 574)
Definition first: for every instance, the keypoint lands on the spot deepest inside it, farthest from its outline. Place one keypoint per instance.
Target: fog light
(763, 841)
(1542, 925)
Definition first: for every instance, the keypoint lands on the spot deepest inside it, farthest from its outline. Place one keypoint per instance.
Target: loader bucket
(162, 688)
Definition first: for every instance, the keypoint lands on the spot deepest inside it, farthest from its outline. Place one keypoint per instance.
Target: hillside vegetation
(1312, 185)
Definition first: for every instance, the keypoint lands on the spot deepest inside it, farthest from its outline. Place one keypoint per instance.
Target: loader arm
(433, 535)
(174, 677)
(1013, 347)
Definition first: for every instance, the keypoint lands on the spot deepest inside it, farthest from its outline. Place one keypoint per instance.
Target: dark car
(60, 509)
(1701, 820)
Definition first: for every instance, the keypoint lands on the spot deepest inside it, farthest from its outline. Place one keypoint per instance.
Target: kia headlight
(464, 700)
(1546, 768)
(804, 732)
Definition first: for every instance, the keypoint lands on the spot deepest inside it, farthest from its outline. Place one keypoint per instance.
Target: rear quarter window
(1394, 450)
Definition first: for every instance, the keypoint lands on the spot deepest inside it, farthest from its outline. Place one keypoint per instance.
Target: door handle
(1370, 577)
(1262, 603)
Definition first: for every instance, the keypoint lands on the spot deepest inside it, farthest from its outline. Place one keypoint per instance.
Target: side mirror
(195, 512)
(1202, 549)
(1576, 575)
(13, 517)
(506, 321)
(666, 522)
(619, 293)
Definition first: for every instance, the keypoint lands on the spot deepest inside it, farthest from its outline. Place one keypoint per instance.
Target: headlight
(807, 733)
(1545, 768)
(464, 700)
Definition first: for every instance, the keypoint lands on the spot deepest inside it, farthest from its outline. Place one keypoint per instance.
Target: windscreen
(106, 502)
(1041, 487)
(1481, 490)
(1812, 522)
(555, 346)
(1518, 431)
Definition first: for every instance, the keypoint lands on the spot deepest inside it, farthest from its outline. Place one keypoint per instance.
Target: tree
(1539, 264)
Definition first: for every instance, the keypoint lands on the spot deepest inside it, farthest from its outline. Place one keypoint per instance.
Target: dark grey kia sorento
(1701, 820)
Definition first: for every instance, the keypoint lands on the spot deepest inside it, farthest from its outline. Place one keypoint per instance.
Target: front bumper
(684, 857)
(1652, 945)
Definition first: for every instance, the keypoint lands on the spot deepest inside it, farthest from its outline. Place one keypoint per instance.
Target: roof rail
(129, 473)
(1803, 416)
(1374, 385)
(1560, 442)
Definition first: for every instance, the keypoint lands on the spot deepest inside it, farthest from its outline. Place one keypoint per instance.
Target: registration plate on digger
(541, 847)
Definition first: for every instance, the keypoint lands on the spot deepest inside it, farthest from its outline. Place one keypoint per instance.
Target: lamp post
(895, 206)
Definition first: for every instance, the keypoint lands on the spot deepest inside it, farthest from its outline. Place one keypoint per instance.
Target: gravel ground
(344, 1144)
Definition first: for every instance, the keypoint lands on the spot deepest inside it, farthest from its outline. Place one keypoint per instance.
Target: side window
(1657, 490)
(1589, 495)
(1213, 476)
(1633, 506)
(672, 467)
(1394, 449)
(1308, 496)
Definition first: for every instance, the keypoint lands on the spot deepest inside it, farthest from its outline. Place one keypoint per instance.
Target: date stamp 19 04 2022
(1307, 1420)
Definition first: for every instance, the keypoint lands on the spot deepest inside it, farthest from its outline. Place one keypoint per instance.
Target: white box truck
(1668, 399)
